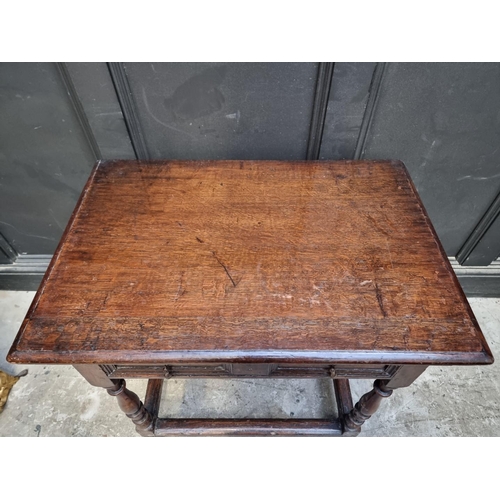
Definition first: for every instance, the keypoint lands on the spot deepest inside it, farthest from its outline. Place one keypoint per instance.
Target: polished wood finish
(244, 262)
(248, 427)
(250, 269)
(366, 406)
(404, 376)
(97, 375)
(344, 405)
(344, 399)
(132, 406)
(253, 370)
(129, 402)
(153, 397)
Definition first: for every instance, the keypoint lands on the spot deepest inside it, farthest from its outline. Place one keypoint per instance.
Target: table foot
(132, 406)
(366, 406)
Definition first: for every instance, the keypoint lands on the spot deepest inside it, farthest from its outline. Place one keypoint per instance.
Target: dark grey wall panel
(479, 286)
(347, 103)
(483, 245)
(480, 281)
(45, 158)
(443, 121)
(25, 273)
(488, 249)
(230, 110)
(7, 253)
(97, 94)
(319, 109)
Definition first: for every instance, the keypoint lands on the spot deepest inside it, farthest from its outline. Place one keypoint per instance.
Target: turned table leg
(132, 406)
(366, 407)
(370, 402)
(128, 401)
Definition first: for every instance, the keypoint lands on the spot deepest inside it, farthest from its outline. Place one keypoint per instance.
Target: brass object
(6, 383)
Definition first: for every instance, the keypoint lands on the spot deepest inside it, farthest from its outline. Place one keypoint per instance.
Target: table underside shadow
(147, 423)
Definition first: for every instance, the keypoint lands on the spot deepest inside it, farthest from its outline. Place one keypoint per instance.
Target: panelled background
(441, 120)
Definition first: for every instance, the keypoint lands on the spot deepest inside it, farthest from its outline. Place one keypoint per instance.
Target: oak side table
(250, 269)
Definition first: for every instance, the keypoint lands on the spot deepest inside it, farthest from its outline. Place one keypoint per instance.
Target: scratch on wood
(105, 300)
(180, 291)
(390, 255)
(200, 240)
(225, 269)
(406, 333)
(376, 225)
(430, 340)
(380, 300)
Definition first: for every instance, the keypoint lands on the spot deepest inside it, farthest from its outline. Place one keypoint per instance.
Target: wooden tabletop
(250, 260)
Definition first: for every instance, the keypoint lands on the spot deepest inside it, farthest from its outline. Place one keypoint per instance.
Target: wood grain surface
(250, 261)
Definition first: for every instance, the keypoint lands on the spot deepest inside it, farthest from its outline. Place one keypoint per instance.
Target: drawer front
(251, 370)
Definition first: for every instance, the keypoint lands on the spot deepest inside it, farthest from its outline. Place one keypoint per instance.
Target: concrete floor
(56, 401)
